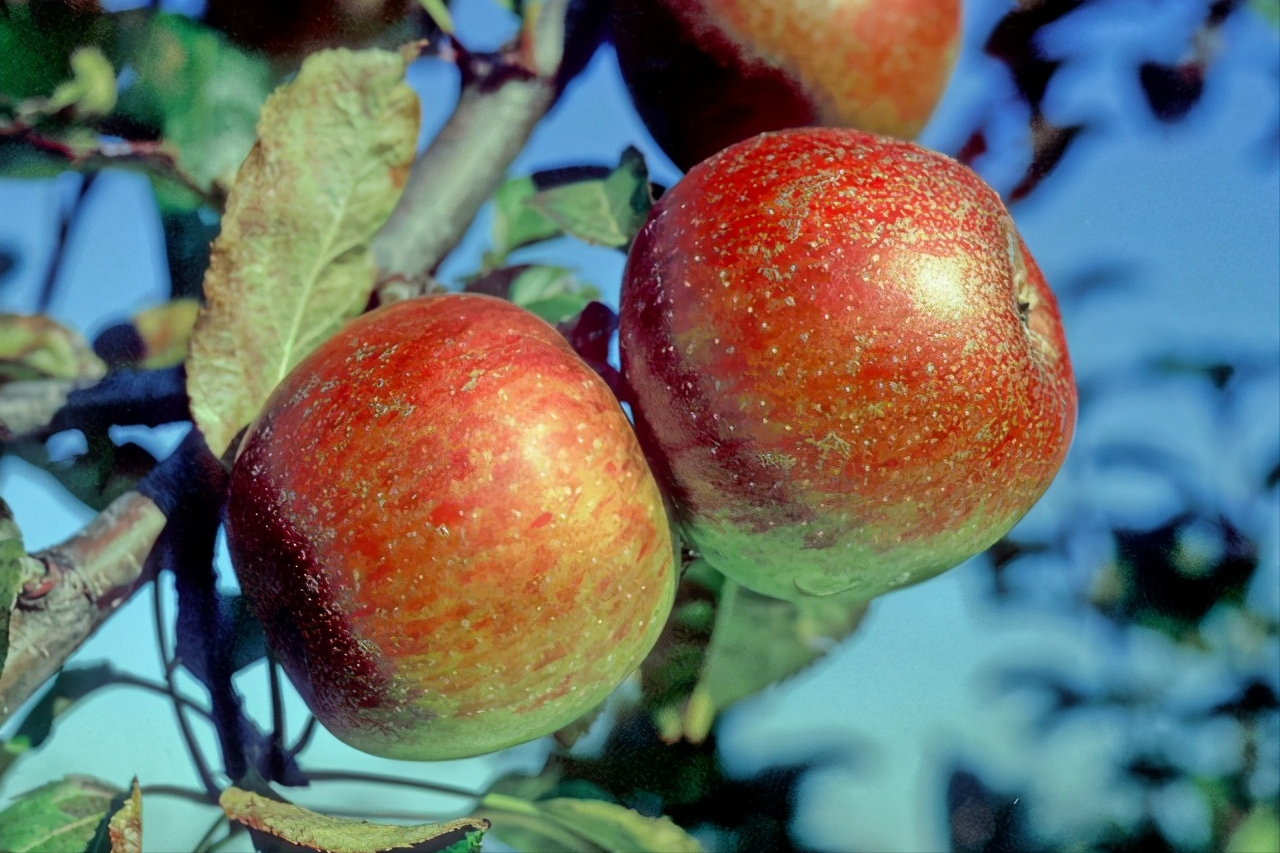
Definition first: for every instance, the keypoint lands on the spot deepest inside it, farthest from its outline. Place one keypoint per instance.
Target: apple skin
(705, 74)
(446, 526)
(847, 370)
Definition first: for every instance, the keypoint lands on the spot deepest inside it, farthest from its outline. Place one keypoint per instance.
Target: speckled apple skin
(705, 74)
(848, 371)
(448, 530)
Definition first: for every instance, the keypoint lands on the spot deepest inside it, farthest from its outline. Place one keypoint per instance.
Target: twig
(67, 222)
(308, 731)
(380, 779)
(170, 665)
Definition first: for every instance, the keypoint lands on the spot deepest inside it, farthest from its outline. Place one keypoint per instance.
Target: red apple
(448, 530)
(707, 73)
(847, 368)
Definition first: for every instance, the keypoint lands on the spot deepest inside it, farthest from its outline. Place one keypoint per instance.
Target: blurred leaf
(1268, 9)
(292, 262)
(515, 222)
(202, 92)
(12, 556)
(165, 330)
(188, 235)
(605, 212)
(37, 41)
(56, 817)
(1258, 832)
(568, 825)
(551, 292)
(32, 346)
(299, 827)
(97, 477)
(91, 91)
(438, 11)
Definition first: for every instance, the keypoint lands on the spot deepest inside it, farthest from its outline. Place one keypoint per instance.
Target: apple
(846, 368)
(448, 530)
(704, 74)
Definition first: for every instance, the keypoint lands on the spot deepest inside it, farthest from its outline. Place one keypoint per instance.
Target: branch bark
(86, 579)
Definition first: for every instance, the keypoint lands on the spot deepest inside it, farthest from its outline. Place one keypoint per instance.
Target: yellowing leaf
(34, 347)
(292, 262)
(125, 826)
(327, 834)
(165, 330)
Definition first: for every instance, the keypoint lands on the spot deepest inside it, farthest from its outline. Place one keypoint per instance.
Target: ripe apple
(448, 530)
(707, 73)
(847, 369)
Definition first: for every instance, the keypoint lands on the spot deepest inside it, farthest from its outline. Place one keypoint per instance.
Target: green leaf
(57, 817)
(37, 41)
(515, 223)
(1269, 10)
(606, 212)
(551, 292)
(711, 658)
(293, 260)
(72, 684)
(33, 346)
(295, 825)
(91, 91)
(202, 92)
(569, 825)
(12, 557)
(1259, 831)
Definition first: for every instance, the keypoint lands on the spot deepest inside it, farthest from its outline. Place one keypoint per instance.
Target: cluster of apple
(848, 375)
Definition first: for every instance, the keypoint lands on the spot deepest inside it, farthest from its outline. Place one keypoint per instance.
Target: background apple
(846, 365)
(446, 526)
(707, 73)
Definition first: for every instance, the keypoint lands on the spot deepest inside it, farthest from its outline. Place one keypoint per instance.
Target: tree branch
(503, 98)
(85, 580)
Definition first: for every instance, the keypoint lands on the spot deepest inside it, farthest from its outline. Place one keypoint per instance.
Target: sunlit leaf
(569, 825)
(307, 829)
(1259, 830)
(12, 555)
(551, 292)
(292, 262)
(37, 41)
(165, 330)
(91, 91)
(605, 212)
(56, 817)
(202, 92)
(32, 346)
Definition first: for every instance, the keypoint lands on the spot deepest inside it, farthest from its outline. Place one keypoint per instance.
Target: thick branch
(455, 176)
(500, 105)
(86, 579)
